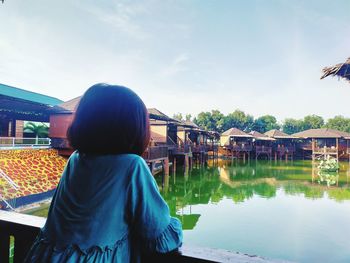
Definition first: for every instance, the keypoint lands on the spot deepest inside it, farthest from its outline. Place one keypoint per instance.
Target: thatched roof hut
(191, 124)
(233, 133)
(261, 137)
(323, 133)
(277, 134)
(340, 70)
(158, 115)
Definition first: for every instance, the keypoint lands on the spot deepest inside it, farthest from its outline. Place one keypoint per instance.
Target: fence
(155, 152)
(263, 149)
(7, 198)
(240, 148)
(14, 142)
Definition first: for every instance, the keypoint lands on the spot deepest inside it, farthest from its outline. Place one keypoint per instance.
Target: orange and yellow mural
(33, 170)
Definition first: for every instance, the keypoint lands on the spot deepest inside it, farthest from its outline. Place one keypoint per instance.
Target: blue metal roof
(10, 91)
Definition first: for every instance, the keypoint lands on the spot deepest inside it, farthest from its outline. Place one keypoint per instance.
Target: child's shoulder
(113, 159)
(130, 156)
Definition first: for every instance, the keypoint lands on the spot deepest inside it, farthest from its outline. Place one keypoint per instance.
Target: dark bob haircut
(110, 119)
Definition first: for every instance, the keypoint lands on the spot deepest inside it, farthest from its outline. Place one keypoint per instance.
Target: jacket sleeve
(149, 214)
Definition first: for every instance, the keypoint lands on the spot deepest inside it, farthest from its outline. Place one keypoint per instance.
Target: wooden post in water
(186, 161)
(347, 149)
(166, 166)
(174, 165)
(337, 148)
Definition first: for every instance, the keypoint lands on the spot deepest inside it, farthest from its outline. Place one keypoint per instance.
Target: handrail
(12, 184)
(238, 147)
(284, 149)
(24, 229)
(325, 150)
(155, 152)
(171, 140)
(22, 142)
(263, 148)
(8, 179)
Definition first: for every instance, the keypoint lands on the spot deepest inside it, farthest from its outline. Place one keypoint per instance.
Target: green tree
(265, 123)
(312, 122)
(188, 117)
(39, 130)
(211, 121)
(291, 126)
(178, 116)
(339, 123)
(238, 119)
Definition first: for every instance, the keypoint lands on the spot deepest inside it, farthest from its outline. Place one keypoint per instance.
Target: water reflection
(241, 181)
(282, 210)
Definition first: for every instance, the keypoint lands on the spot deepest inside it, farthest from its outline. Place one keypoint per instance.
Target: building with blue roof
(22, 105)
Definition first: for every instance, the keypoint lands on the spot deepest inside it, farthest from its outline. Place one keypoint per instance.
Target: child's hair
(110, 119)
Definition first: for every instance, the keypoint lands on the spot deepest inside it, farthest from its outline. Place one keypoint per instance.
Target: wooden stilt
(186, 161)
(166, 166)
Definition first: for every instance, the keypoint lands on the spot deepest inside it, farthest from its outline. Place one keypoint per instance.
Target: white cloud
(122, 17)
(177, 65)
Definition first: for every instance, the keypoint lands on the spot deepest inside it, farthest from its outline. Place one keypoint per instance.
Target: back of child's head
(110, 119)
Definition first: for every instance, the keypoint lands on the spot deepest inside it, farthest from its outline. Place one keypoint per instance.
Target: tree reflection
(240, 182)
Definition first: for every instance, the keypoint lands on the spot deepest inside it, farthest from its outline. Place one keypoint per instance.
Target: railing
(19, 231)
(9, 201)
(212, 147)
(17, 235)
(155, 152)
(8, 179)
(263, 149)
(285, 149)
(199, 148)
(184, 148)
(240, 148)
(325, 149)
(13, 142)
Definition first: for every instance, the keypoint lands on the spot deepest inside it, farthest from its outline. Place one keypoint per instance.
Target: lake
(278, 210)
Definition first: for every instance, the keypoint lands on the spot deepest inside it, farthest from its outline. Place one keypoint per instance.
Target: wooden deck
(157, 155)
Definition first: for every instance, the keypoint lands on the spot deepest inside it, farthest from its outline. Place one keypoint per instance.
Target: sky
(188, 56)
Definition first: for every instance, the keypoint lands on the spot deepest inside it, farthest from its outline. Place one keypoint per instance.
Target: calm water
(276, 210)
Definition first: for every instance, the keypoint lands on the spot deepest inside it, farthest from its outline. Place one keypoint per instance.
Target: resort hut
(235, 142)
(199, 140)
(163, 128)
(322, 142)
(262, 144)
(341, 70)
(284, 144)
(164, 133)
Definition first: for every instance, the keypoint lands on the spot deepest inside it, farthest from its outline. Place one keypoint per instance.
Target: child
(107, 207)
